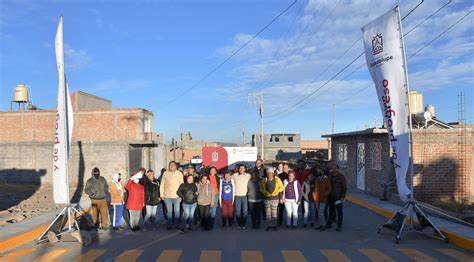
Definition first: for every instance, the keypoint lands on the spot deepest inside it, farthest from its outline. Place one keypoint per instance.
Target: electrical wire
(202, 79)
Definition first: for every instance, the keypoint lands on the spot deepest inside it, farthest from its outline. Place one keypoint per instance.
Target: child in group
(205, 201)
(226, 199)
(188, 193)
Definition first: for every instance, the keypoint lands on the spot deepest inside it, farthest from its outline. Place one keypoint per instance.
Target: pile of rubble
(22, 201)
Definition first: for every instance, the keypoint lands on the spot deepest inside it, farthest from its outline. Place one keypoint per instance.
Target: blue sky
(146, 53)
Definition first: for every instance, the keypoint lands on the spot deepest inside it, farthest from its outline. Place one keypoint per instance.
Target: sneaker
(116, 228)
(238, 227)
(243, 227)
(268, 228)
(294, 227)
(181, 230)
(275, 228)
(304, 226)
(319, 228)
(190, 229)
(312, 224)
(338, 229)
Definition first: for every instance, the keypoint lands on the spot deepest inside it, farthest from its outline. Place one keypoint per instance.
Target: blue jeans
(214, 210)
(241, 207)
(309, 215)
(188, 211)
(150, 213)
(172, 210)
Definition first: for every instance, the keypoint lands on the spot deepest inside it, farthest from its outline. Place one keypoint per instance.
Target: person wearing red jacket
(135, 199)
(301, 172)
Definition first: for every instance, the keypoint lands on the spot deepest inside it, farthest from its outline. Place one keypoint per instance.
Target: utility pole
(174, 148)
(333, 117)
(257, 98)
(243, 134)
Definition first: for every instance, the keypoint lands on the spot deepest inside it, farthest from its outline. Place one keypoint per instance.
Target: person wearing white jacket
(226, 199)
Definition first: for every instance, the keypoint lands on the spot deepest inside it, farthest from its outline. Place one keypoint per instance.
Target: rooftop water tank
(21, 94)
(416, 102)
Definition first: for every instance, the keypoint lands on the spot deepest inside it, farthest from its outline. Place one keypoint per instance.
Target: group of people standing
(264, 193)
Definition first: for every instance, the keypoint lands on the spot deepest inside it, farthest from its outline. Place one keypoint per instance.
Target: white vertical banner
(63, 127)
(385, 57)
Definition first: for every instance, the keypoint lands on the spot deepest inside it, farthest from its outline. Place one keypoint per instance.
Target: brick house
(443, 164)
(113, 139)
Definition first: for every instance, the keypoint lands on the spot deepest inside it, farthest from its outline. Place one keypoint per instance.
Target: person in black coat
(152, 196)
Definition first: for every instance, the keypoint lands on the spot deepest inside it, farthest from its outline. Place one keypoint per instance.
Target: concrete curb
(28, 236)
(454, 238)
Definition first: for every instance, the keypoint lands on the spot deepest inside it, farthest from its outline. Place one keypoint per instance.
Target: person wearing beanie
(226, 198)
(170, 182)
(152, 196)
(116, 200)
(188, 193)
(136, 198)
(271, 188)
(97, 188)
(241, 180)
(292, 196)
(255, 199)
(205, 201)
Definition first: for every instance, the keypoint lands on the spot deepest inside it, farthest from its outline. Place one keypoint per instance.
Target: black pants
(163, 208)
(281, 211)
(256, 213)
(205, 214)
(333, 208)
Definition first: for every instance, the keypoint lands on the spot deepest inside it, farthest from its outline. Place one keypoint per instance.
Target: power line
(412, 55)
(229, 57)
(334, 76)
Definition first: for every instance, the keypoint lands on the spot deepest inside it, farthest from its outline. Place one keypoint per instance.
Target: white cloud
(284, 67)
(76, 58)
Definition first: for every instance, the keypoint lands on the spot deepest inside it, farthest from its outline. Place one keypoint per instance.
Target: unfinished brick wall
(443, 167)
(89, 125)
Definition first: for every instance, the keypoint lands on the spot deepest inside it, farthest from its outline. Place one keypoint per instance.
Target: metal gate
(361, 166)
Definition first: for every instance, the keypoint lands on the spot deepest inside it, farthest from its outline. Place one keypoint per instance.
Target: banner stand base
(65, 222)
(405, 218)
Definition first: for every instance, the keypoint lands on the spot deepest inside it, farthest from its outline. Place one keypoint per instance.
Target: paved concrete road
(357, 242)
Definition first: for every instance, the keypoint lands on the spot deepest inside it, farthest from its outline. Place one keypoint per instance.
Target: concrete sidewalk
(17, 234)
(458, 234)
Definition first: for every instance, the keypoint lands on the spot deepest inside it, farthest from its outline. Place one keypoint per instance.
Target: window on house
(277, 139)
(342, 154)
(290, 139)
(375, 155)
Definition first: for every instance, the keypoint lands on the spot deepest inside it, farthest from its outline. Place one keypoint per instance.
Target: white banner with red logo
(385, 60)
(63, 127)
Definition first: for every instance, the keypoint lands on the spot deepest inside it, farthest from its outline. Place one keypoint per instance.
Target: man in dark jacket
(336, 197)
(259, 168)
(152, 196)
(97, 188)
(281, 207)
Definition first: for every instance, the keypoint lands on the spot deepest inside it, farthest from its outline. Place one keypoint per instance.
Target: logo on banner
(215, 156)
(377, 44)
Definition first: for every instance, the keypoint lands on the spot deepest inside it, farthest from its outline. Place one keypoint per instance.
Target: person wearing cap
(241, 180)
(97, 188)
(136, 198)
(116, 200)
(188, 193)
(271, 188)
(205, 201)
(152, 196)
(292, 196)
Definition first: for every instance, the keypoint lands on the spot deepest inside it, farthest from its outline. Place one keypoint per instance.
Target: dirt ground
(22, 201)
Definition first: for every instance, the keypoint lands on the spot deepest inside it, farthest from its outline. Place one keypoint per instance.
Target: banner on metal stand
(385, 59)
